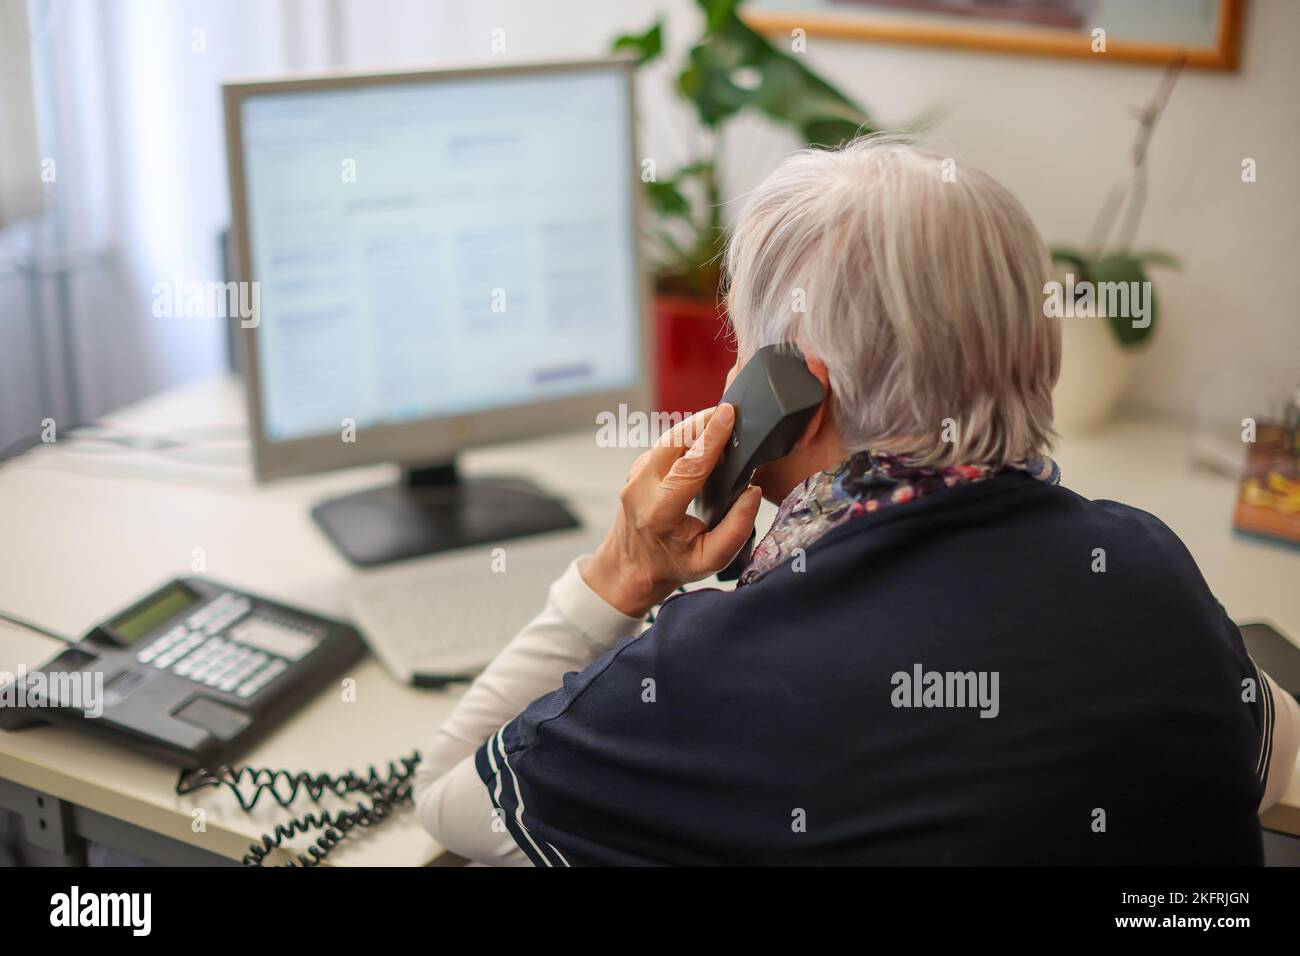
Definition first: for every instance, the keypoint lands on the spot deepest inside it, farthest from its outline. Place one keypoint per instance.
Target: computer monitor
(442, 260)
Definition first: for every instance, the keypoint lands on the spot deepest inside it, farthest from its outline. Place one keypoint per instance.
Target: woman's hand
(655, 546)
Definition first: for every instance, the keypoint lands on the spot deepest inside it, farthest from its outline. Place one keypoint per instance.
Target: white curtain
(130, 91)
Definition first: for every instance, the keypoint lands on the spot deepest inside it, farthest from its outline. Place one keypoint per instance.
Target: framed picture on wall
(1206, 32)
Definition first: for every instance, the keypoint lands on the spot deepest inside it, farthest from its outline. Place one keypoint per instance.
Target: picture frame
(1206, 33)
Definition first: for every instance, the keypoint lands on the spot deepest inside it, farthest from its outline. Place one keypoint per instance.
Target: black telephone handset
(774, 396)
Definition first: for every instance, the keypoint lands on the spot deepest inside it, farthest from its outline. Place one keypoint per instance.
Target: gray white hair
(919, 283)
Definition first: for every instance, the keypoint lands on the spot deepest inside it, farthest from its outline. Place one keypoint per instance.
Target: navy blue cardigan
(768, 724)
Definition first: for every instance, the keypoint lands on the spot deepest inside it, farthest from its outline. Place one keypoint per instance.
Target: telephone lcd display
(139, 621)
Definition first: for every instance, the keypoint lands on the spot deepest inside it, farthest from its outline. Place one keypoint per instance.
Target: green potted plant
(729, 70)
(1098, 349)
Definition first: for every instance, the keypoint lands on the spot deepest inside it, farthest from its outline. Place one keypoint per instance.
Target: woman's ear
(819, 369)
(821, 418)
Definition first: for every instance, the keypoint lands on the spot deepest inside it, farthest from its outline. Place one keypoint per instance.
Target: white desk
(83, 533)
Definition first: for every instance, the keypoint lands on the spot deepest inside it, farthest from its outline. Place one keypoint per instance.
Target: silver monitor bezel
(430, 440)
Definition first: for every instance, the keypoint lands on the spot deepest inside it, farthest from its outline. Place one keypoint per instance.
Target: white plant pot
(1094, 371)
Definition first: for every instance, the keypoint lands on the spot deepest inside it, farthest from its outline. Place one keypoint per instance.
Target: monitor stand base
(431, 510)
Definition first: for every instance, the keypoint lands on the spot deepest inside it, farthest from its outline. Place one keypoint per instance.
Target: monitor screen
(439, 247)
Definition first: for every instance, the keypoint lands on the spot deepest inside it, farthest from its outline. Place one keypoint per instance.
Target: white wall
(1057, 132)
(144, 154)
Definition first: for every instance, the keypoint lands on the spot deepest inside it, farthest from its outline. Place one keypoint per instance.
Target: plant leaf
(735, 67)
(786, 95)
(667, 200)
(716, 12)
(1125, 268)
(701, 167)
(1151, 257)
(646, 45)
(707, 82)
(1071, 257)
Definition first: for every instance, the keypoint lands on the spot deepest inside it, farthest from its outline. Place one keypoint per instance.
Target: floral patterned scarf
(864, 484)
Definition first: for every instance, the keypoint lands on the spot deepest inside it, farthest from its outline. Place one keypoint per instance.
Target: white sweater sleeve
(1285, 743)
(574, 628)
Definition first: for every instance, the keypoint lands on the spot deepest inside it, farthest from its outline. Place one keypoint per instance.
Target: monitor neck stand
(432, 509)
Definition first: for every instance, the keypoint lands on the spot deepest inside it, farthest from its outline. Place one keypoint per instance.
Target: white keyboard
(448, 615)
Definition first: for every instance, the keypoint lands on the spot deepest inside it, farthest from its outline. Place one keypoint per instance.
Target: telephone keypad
(204, 651)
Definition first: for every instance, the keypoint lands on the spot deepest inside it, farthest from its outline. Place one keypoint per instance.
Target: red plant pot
(694, 353)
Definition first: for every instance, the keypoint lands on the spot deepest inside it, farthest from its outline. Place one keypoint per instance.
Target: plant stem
(1132, 198)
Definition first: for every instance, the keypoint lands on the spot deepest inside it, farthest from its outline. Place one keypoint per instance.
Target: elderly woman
(937, 654)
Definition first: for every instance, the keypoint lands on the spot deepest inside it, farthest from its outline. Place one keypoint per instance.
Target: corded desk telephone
(192, 674)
